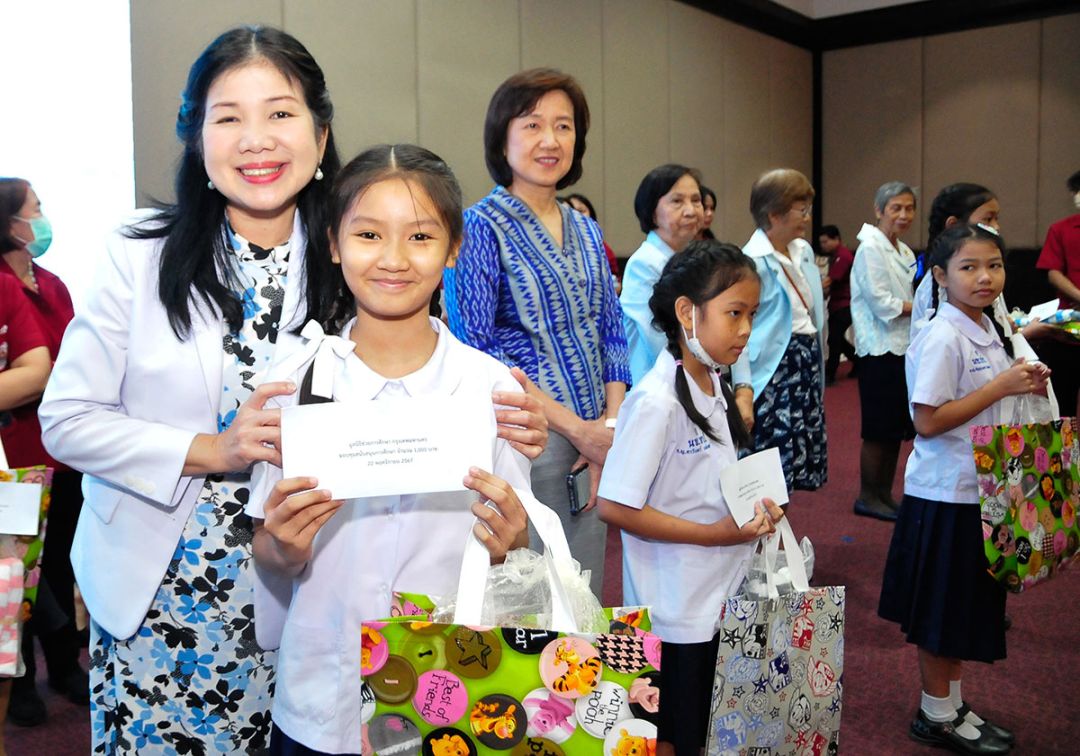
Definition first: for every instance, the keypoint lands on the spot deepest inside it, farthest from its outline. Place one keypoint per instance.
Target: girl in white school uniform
(396, 222)
(683, 554)
(960, 372)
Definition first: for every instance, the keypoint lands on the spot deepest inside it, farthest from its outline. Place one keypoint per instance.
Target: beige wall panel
(1059, 145)
(791, 106)
(166, 38)
(747, 143)
(467, 48)
(696, 82)
(636, 135)
(373, 85)
(872, 132)
(567, 35)
(981, 118)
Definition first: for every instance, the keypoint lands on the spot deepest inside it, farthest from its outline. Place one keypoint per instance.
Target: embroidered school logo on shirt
(978, 364)
(695, 445)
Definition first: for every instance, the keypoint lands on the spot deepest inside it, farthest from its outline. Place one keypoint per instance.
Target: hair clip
(678, 362)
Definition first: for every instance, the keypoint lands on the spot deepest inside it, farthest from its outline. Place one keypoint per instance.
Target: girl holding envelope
(395, 224)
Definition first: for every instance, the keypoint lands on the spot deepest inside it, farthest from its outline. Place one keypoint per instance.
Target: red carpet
(1035, 692)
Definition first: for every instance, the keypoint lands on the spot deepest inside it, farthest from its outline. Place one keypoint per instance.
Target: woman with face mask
(25, 235)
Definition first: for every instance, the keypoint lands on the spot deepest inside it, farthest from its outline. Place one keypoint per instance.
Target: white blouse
(881, 282)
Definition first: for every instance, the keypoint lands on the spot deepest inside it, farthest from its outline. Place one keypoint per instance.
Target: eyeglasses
(805, 212)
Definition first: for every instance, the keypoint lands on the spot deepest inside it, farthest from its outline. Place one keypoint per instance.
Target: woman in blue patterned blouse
(532, 288)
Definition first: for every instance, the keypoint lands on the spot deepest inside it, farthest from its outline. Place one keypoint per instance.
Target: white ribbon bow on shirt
(321, 347)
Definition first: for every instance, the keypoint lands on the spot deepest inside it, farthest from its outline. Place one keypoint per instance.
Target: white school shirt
(949, 358)
(372, 547)
(881, 279)
(660, 458)
(802, 323)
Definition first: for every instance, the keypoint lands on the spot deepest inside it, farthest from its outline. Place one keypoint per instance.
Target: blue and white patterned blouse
(551, 311)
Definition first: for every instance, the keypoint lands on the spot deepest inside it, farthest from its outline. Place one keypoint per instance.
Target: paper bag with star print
(779, 675)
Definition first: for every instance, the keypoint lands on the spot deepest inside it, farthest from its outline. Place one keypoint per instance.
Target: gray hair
(888, 190)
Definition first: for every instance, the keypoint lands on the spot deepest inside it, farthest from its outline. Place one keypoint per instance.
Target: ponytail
(700, 272)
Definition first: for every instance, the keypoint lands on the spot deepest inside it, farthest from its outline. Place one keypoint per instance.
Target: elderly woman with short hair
(779, 380)
(881, 299)
(532, 288)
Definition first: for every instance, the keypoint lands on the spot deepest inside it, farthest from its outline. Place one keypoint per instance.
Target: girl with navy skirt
(960, 373)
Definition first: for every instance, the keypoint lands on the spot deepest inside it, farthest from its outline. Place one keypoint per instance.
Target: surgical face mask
(1076, 199)
(694, 344)
(42, 235)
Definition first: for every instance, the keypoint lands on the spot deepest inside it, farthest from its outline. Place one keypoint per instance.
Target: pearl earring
(210, 185)
(318, 173)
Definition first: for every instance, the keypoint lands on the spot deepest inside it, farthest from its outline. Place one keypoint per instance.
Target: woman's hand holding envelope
(526, 427)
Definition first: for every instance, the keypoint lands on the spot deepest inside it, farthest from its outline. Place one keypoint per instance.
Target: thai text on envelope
(751, 479)
(389, 447)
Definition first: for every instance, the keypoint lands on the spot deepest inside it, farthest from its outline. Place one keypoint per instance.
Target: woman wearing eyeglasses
(779, 379)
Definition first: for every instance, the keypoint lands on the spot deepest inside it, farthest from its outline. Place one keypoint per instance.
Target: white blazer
(124, 402)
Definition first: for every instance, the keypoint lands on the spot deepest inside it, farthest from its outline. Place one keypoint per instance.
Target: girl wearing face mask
(683, 554)
(25, 235)
(780, 377)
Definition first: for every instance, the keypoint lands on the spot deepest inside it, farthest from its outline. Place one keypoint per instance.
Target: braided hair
(945, 246)
(700, 272)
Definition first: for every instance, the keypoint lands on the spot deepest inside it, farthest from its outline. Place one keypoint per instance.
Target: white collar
(983, 335)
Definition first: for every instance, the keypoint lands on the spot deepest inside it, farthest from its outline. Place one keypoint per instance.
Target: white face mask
(694, 344)
(1076, 199)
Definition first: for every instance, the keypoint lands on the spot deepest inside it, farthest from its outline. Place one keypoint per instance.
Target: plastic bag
(518, 594)
(754, 584)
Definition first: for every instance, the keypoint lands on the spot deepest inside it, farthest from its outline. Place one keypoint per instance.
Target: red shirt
(1061, 252)
(51, 306)
(19, 333)
(840, 276)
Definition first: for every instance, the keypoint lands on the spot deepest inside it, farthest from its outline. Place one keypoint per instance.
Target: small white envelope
(389, 447)
(751, 479)
(20, 505)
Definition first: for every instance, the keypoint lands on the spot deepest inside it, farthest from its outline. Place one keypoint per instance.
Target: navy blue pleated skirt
(936, 583)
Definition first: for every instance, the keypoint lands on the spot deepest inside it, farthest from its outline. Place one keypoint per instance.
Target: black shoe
(944, 735)
(26, 708)
(75, 685)
(989, 728)
(877, 511)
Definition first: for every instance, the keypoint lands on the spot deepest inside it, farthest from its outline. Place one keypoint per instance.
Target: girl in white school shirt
(396, 223)
(959, 373)
(683, 554)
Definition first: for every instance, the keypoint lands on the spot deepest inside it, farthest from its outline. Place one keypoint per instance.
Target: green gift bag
(1029, 493)
(28, 548)
(463, 689)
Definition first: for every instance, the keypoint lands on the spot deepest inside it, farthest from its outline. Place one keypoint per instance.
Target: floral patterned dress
(192, 680)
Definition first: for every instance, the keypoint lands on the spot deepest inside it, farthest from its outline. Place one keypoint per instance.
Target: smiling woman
(532, 288)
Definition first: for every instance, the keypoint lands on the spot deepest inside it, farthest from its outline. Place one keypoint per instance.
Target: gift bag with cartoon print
(1029, 493)
(465, 689)
(779, 668)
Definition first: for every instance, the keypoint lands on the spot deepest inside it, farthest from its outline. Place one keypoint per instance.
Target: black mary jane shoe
(989, 728)
(944, 735)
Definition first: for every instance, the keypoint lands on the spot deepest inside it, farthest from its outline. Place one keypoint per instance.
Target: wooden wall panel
(1059, 119)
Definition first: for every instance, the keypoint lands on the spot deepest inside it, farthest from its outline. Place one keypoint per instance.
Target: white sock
(942, 710)
(958, 701)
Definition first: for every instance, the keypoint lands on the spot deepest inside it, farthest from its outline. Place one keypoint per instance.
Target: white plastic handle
(796, 568)
(472, 584)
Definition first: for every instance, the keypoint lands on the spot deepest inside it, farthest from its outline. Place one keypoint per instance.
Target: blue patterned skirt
(790, 415)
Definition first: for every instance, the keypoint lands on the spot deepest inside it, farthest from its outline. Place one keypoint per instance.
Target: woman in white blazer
(779, 379)
(156, 395)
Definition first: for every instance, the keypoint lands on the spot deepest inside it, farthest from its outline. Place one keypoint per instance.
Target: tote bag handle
(472, 584)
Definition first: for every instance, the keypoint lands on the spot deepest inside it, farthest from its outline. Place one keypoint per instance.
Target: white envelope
(753, 478)
(389, 447)
(20, 505)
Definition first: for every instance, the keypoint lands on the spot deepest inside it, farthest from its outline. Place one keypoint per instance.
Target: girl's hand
(294, 514)
(764, 522)
(1021, 378)
(744, 400)
(526, 428)
(254, 434)
(503, 527)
